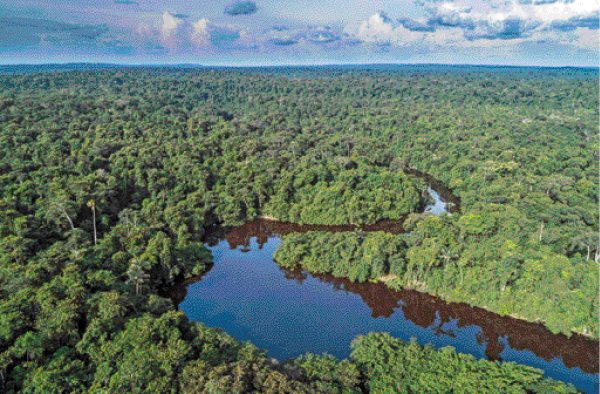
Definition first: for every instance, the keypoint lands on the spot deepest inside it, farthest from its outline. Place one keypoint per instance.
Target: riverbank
(392, 282)
(472, 292)
(289, 312)
(268, 226)
(262, 230)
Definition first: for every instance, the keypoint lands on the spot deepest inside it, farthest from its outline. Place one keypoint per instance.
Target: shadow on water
(263, 229)
(319, 312)
(246, 281)
(424, 310)
(421, 308)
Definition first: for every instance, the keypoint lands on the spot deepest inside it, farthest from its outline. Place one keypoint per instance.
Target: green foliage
(113, 176)
(393, 366)
(328, 375)
(357, 256)
(329, 194)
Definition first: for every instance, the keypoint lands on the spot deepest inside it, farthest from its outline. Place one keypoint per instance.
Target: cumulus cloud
(514, 20)
(207, 34)
(486, 28)
(178, 34)
(506, 29)
(449, 15)
(173, 31)
(241, 8)
(201, 33)
(381, 30)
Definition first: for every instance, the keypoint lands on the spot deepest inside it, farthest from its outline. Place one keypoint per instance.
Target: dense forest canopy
(109, 178)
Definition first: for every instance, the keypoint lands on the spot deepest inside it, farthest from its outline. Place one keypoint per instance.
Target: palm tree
(137, 275)
(447, 254)
(92, 205)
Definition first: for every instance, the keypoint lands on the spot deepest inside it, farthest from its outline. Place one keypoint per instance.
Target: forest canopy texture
(109, 179)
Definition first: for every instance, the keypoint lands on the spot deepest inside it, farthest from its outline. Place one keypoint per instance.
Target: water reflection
(439, 205)
(426, 311)
(263, 229)
(423, 309)
(290, 312)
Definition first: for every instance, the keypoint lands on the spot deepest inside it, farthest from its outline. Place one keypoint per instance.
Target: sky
(275, 32)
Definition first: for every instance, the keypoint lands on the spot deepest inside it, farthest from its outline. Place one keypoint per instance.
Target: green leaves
(391, 365)
(141, 161)
(326, 194)
(329, 375)
(145, 357)
(66, 372)
(137, 275)
(354, 255)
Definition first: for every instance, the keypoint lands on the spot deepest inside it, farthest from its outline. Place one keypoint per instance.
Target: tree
(489, 166)
(92, 205)
(137, 275)
(448, 254)
(30, 345)
(590, 241)
(78, 242)
(61, 206)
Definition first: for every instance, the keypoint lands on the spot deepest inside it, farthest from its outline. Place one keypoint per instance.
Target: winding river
(289, 313)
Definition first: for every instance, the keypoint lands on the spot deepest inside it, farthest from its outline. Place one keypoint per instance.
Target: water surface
(289, 313)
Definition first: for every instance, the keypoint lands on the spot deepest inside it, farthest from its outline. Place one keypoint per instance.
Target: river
(289, 313)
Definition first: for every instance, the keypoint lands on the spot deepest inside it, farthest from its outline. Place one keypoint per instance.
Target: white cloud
(172, 31)
(201, 35)
(178, 35)
(547, 13)
(579, 38)
(515, 19)
(426, 29)
(379, 29)
(453, 8)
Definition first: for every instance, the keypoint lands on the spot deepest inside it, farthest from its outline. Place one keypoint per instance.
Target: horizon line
(283, 65)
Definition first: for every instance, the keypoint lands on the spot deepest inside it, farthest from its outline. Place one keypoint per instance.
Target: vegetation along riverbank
(109, 180)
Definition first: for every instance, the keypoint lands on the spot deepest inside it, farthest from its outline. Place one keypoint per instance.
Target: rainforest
(450, 212)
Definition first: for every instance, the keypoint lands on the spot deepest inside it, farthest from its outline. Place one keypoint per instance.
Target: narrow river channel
(289, 313)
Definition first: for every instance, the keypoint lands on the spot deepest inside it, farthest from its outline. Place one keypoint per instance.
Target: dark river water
(289, 313)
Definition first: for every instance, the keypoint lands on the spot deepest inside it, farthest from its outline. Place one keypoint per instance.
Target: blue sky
(274, 32)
